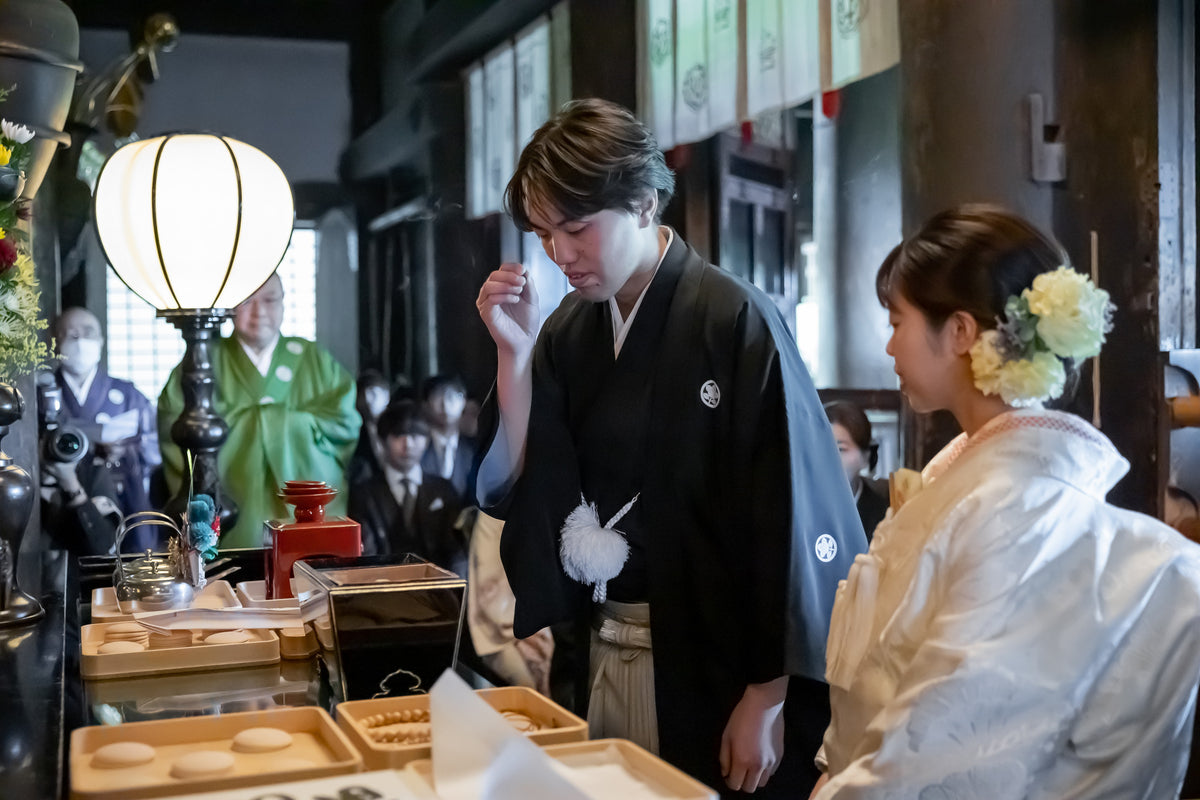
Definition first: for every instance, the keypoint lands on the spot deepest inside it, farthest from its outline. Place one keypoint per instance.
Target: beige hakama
(622, 675)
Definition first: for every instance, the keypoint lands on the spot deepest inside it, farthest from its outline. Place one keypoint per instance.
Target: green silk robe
(297, 423)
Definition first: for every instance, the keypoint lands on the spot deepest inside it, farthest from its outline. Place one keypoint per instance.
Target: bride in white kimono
(1009, 634)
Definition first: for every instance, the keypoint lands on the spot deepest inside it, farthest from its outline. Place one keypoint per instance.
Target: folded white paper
(477, 755)
(219, 619)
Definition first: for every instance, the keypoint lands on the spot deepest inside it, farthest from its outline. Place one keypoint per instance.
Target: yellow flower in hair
(1073, 313)
(5, 155)
(1017, 381)
(3, 233)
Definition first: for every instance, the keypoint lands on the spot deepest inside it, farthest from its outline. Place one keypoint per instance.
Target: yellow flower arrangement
(22, 349)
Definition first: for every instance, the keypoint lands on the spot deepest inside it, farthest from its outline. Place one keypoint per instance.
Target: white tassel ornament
(591, 553)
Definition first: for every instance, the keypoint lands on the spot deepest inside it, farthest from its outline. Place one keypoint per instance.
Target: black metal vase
(16, 504)
(39, 55)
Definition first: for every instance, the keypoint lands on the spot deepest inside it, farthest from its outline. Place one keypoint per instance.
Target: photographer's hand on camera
(70, 491)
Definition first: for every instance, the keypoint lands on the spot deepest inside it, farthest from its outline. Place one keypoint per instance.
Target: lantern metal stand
(199, 430)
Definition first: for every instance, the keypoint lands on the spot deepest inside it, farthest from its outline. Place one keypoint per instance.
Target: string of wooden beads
(392, 717)
(402, 733)
(409, 726)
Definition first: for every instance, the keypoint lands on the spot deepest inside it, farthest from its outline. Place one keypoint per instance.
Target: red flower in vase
(8, 255)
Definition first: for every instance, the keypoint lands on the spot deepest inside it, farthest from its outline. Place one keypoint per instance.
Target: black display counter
(38, 690)
(43, 698)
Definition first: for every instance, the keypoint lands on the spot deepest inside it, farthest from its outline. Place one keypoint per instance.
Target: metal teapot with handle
(149, 583)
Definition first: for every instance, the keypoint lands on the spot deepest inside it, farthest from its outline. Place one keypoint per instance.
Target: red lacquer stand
(310, 535)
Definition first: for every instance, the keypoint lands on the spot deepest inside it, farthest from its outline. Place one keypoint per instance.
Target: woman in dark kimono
(666, 397)
(852, 433)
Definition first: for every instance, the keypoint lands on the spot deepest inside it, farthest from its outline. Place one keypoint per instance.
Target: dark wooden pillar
(1108, 74)
(966, 70)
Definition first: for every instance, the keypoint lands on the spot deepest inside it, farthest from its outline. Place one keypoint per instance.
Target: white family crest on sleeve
(825, 547)
(591, 553)
(710, 394)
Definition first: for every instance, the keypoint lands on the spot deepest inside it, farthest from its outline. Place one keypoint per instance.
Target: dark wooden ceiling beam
(335, 20)
(453, 33)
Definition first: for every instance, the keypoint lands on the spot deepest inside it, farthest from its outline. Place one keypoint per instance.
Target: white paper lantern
(193, 220)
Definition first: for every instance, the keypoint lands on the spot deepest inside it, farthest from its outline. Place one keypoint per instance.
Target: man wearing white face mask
(118, 419)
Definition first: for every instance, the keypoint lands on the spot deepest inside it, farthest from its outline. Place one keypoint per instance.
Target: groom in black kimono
(668, 393)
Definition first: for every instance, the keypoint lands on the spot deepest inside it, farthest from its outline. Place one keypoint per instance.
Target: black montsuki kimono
(744, 524)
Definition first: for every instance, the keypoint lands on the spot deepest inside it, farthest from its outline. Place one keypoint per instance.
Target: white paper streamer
(691, 71)
(476, 145)
(801, 50)
(500, 122)
(764, 59)
(863, 38)
(532, 80)
(723, 42)
(656, 68)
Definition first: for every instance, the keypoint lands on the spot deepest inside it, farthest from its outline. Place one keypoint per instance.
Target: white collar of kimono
(80, 386)
(261, 361)
(621, 327)
(1067, 446)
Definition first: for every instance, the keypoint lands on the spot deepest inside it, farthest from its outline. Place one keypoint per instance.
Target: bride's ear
(963, 330)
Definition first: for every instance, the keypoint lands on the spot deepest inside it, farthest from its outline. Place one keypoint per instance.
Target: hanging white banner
(801, 26)
(656, 68)
(476, 153)
(764, 67)
(533, 80)
(723, 42)
(862, 37)
(691, 71)
(500, 122)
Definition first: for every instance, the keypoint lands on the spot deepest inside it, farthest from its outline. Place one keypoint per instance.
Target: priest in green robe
(290, 409)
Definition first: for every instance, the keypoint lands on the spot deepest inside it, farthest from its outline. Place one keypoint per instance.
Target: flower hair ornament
(1063, 315)
(592, 553)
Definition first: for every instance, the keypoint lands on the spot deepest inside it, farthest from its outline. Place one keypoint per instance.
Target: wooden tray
(558, 724)
(318, 749)
(263, 648)
(215, 594)
(253, 594)
(664, 779)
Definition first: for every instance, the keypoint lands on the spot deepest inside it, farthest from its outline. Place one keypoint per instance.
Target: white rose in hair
(1073, 314)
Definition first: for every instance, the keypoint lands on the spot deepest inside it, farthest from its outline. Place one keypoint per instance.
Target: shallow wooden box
(263, 648)
(253, 594)
(318, 749)
(215, 594)
(666, 781)
(559, 725)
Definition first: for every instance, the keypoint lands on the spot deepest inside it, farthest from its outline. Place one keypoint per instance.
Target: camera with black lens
(65, 444)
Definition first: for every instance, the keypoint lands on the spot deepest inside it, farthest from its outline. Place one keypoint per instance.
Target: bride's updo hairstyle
(971, 258)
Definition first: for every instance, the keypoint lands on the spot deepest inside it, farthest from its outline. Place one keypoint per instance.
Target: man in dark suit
(450, 454)
(403, 508)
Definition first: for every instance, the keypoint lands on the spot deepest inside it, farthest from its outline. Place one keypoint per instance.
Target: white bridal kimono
(1011, 635)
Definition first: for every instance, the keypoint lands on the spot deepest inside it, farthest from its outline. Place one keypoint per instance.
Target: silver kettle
(149, 583)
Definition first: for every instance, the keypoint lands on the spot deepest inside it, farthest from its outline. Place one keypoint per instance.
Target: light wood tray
(318, 749)
(664, 779)
(558, 724)
(263, 648)
(215, 594)
(253, 594)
